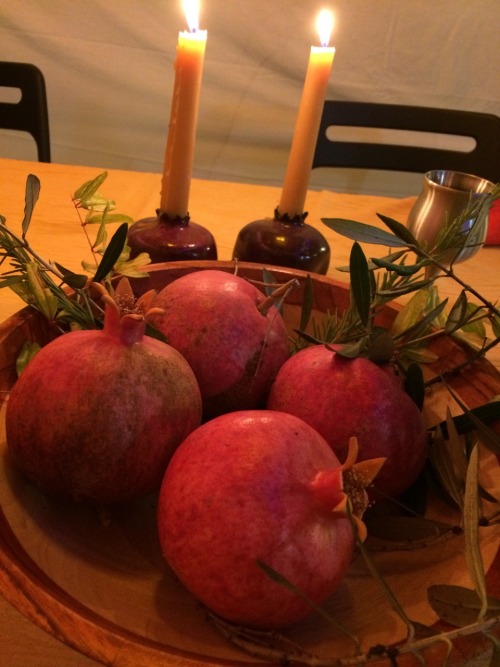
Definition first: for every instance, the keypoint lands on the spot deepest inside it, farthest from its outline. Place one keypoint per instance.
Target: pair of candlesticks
(279, 241)
(289, 241)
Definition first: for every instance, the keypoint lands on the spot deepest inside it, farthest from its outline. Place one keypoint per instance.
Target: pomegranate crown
(356, 477)
(125, 315)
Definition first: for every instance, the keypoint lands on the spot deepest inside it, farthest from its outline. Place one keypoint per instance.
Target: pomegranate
(96, 415)
(260, 487)
(232, 336)
(342, 397)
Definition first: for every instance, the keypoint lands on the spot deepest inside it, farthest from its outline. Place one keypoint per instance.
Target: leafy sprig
(411, 269)
(63, 296)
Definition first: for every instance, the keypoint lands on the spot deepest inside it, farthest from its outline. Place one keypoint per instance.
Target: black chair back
(30, 114)
(483, 160)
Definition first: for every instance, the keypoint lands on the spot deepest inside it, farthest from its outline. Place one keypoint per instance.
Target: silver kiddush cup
(444, 197)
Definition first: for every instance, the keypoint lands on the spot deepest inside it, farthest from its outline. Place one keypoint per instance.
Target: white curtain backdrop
(109, 70)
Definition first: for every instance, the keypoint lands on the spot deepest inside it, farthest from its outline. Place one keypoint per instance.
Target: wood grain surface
(100, 593)
(102, 586)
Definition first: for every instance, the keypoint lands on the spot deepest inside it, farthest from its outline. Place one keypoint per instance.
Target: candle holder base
(283, 241)
(167, 239)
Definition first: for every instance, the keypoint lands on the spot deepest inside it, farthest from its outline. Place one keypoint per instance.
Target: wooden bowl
(102, 586)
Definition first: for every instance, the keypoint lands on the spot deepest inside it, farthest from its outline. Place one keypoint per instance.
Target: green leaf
(419, 355)
(409, 529)
(26, 354)
(358, 231)
(112, 253)
(486, 413)
(399, 230)
(472, 515)
(288, 585)
(30, 199)
(457, 605)
(349, 350)
(495, 325)
(46, 301)
(74, 280)
(89, 188)
(400, 269)
(473, 324)
(449, 462)
(9, 281)
(411, 313)
(407, 288)
(423, 325)
(360, 283)
(489, 439)
(457, 313)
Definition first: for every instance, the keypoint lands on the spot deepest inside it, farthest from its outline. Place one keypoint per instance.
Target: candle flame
(324, 26)
(192, 11)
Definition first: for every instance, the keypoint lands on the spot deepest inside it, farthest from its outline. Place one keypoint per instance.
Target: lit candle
(179, 153)
(305, 136)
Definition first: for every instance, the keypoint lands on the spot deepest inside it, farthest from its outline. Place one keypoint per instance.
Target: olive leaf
(358, 231)
(46, 301)
(457, 313)
(495, 325)
(75, 280)
(349, 350)
(407, 288)
(486, 413)
(112, 253)
(360, 283)
(457, 605)
(28, 351)
(474, 320)
(400, 269)
(286, 583)
(422, 324)
(472, 516)
(419, 355)
(32, 193)
(489, 439)
(412, 311)
(448, 460)
(399, 230)
(410, 529)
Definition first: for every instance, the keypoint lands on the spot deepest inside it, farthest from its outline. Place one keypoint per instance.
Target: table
(224, 208)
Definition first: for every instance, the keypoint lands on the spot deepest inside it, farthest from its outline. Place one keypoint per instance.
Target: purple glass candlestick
(170, 239)
(283, 241)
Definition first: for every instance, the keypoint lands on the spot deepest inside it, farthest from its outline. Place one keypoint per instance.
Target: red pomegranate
(342, 397)
(96, 415)
(260, 487)
(232, 336)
